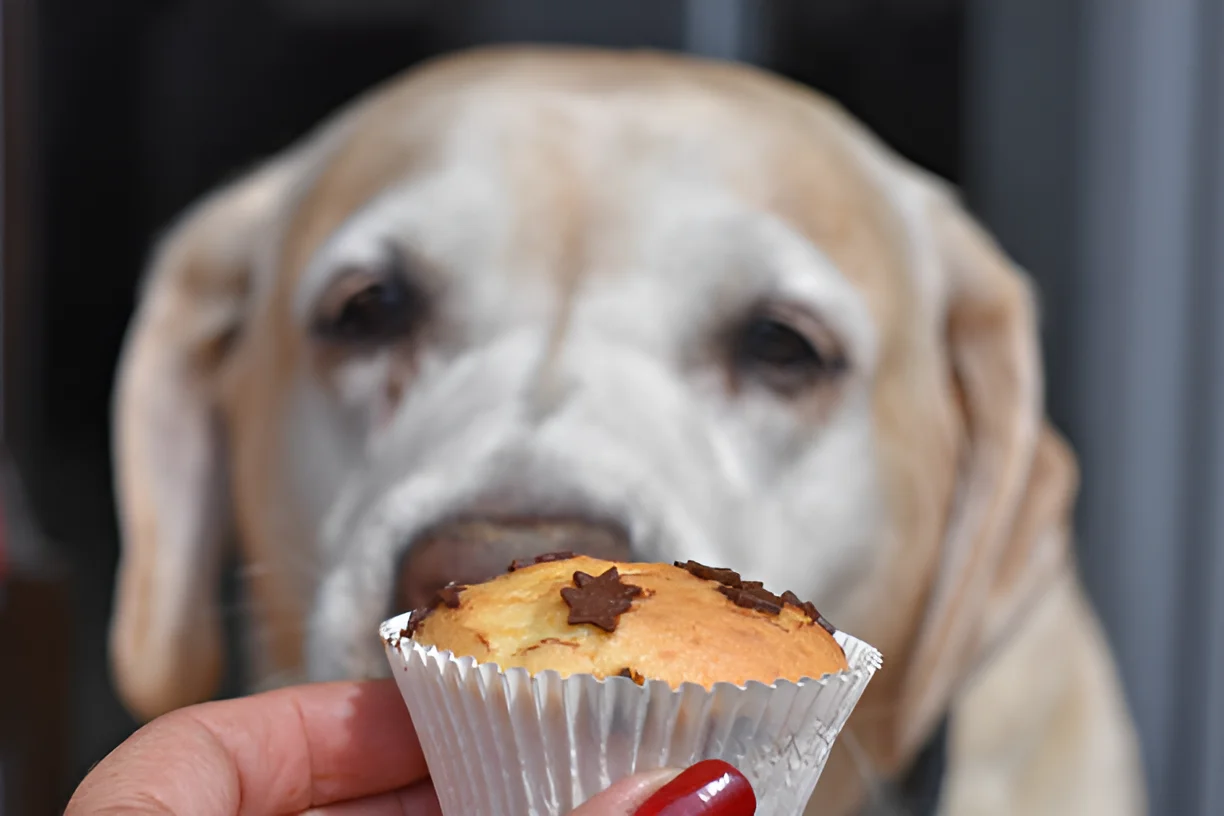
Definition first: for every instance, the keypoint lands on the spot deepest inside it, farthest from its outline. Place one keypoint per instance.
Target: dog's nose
(471, 551)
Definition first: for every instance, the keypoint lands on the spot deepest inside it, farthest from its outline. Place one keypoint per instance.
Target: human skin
(340, 749)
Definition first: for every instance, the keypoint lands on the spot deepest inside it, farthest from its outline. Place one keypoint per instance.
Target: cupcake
(537, 689)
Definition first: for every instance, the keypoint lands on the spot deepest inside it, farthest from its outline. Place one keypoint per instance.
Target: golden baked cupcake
(686, 623)
(535, 690)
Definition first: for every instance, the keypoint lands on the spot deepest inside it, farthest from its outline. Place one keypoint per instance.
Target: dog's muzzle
(472, 550)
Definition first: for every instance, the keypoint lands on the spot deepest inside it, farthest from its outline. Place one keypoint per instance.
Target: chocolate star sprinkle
(415, 620)
(810, 610)
(448, 595)
(599, 601)
(753, 597)
(752, 594)
(725, 577)
(564, 555)
(748, 594)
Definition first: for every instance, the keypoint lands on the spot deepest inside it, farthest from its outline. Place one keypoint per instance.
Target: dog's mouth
(470, 550)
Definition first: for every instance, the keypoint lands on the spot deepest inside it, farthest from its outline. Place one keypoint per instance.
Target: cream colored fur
(585, 226)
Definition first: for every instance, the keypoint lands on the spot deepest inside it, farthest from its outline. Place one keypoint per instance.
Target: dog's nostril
(474, 550)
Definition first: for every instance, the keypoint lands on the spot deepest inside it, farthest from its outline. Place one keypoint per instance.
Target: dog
(643, 306)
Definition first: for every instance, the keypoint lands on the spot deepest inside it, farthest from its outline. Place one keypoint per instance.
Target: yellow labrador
(639, 305)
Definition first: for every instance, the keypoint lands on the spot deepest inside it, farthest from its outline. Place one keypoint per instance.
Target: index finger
(285, 750)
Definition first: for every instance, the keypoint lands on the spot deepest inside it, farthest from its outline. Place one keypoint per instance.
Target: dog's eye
(366, 306)
(782, 357)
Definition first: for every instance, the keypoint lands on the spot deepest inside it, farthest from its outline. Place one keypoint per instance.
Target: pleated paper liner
(508, 743)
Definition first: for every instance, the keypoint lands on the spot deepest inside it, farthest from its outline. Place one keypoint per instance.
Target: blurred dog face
(640, 306)
(577, 315)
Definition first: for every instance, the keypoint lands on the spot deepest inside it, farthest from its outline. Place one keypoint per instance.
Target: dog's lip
(469, 548)
(612, 525)
(502, 508)
(523, 519)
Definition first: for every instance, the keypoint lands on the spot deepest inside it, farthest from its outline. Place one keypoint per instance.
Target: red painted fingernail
(709, 788)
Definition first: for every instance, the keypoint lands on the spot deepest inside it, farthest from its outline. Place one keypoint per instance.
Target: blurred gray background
(1087, 134)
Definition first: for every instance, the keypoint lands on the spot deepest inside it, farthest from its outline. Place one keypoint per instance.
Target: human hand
(334, 749)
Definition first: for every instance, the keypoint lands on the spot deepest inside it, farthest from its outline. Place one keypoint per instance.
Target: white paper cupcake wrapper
(508, 743)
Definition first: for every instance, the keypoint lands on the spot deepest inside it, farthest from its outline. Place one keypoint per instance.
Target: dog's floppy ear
(170, 472)
(1008, 531)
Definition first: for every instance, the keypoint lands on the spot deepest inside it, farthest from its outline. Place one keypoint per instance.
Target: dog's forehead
(572, 148)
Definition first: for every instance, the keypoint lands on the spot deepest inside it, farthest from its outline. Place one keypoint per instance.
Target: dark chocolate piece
(764, 594)
(448, 595)
(563, 555)
(748, 594)
(754, 598)
(753, 594)
(726, 577)
(599, 601)
(415, 620)
(810, 610)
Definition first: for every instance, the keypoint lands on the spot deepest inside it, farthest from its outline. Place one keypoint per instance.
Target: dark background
(119, 113)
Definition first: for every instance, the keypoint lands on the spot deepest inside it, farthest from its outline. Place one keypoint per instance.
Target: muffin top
(676, 623)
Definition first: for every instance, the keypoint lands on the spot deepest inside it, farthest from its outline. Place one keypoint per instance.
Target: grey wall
(1095, 129)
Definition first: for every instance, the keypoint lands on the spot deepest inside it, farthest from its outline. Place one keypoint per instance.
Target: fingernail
(709, 788)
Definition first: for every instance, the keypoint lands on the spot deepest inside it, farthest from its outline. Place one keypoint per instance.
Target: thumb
(710, 787)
